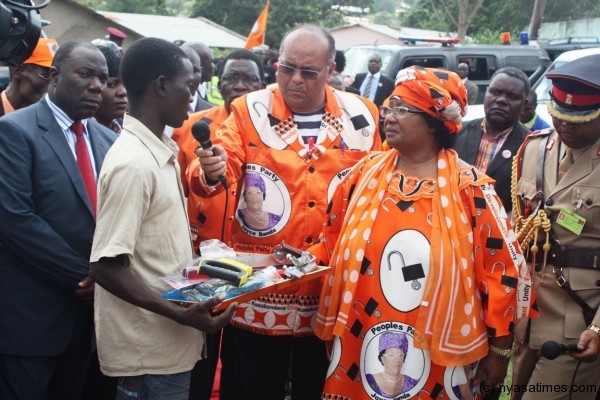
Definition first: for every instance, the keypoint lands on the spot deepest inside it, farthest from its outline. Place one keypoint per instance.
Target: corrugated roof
(179, 28)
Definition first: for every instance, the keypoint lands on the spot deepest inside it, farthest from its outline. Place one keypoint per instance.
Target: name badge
(570, 221)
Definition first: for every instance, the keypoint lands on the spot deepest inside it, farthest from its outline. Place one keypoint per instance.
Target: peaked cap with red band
(575, 95)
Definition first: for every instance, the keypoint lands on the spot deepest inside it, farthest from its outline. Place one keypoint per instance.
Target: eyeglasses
(235, 78)
(393, 356)
(33, 70)
(308, 74)
(385, 111)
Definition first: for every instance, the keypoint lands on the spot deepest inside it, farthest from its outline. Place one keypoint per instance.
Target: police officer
(557, 211)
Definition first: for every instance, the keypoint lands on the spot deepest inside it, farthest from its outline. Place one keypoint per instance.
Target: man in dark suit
(374, 86)
(50, 153)
(462, 70)
(490, 143)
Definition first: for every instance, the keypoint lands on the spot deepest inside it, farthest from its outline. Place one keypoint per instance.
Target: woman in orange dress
(424, 262)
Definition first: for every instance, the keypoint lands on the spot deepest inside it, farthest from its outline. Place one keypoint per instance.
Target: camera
(20, 29)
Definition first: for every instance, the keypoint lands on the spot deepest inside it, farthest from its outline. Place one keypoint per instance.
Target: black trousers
(203, 373)
(97, 385)
(49, 378)
(255, 367)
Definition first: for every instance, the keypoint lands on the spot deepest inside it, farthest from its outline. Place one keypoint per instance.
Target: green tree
(283, 14)
(157, 7)
(385, 5)
(99, 5)
(383, 18)
(443, 15)
(138, 6)
(495, 16)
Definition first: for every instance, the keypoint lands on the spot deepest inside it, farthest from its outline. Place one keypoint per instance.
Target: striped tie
(367, 92)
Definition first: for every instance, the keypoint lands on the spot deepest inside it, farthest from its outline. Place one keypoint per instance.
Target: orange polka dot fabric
(422, 239)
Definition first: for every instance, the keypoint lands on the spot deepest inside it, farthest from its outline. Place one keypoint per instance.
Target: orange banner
(257, 35)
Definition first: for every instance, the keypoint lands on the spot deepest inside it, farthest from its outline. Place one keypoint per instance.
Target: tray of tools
(243, 277)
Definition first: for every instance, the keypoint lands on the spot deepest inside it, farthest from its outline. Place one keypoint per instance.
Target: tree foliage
(283, 14)
(156, 7)
(444, 15)
(385, 6)
(496, 16)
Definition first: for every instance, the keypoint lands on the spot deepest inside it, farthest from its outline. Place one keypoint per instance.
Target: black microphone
(201, 132)
(551, 349)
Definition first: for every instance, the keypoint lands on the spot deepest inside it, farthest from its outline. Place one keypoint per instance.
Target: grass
(507, 381)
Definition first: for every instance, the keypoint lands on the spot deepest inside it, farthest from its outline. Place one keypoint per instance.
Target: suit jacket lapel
(472, 141)
(53, 134)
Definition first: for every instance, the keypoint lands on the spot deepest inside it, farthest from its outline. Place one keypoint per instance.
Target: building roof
(179, 28)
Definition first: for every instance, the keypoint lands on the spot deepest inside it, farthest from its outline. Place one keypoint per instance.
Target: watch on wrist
(506, 353)
(594, 328)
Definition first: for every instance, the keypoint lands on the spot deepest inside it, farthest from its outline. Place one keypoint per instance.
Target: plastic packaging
(212, 287)
(214, 248)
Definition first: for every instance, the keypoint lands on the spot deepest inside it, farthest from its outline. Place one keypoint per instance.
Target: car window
(357, 59)
(526, 64)
(481, 68)
(428, 62)
(542, 87)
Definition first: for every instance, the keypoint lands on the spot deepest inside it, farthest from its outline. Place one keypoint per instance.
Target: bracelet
(506, 353)
(594, 328)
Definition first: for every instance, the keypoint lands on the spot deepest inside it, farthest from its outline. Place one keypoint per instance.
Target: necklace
(393, 380)
(256, 219)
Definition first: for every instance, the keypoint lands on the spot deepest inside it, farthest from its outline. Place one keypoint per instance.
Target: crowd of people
(449, 244)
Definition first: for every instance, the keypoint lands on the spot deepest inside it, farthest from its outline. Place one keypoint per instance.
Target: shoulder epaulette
(541, 132)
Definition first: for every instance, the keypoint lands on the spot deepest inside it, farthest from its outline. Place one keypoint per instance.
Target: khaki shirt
(142, 214)
(560, 317)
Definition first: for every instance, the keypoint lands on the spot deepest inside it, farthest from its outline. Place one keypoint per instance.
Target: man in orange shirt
(240, 73)
(29, 81)
(300, 138)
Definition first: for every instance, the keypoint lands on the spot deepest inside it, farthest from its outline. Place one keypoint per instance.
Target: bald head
(196, 65)
(462, 70)
(314, 30)
(206, 58)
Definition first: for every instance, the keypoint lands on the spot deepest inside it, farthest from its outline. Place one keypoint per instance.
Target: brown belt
(562, 256)
(588, 312)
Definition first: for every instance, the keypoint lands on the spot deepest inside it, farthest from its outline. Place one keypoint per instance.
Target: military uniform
(573, 259)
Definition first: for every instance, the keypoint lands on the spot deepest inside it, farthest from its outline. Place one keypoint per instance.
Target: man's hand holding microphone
(213, 159)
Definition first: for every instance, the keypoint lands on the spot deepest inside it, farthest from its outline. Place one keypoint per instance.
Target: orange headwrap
(438, 92)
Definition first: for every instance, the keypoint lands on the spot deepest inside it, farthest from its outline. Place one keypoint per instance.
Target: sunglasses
(308, 74)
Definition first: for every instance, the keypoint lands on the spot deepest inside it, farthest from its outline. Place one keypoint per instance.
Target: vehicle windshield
(542, 87)
(357, 59)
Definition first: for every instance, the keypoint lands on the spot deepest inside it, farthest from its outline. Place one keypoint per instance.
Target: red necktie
(84, 163)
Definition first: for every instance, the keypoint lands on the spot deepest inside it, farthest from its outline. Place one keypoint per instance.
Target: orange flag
(257, 35)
